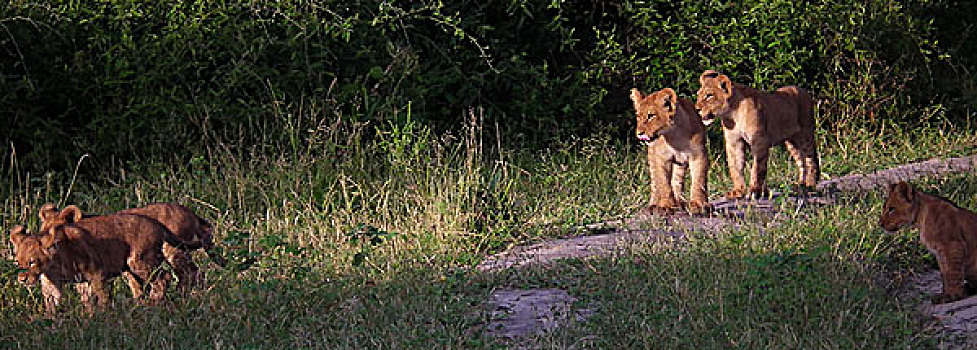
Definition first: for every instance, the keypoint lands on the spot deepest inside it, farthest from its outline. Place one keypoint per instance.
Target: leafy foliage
(123, 79)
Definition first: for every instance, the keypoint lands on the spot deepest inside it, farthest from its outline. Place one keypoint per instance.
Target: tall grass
(358, 242)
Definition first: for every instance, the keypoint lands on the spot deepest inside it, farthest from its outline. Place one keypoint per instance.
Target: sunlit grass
(443, 204)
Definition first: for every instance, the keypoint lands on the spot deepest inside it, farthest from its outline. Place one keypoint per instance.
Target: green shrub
(126, 80)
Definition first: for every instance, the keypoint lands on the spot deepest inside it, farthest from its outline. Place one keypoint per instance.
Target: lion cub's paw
(969, 288)
(699, 207)
(658, 210)
(736, 193)
(759, 193)
(803, 190)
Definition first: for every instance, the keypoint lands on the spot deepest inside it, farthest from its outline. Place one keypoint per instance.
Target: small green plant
(234, 249)
(366, 238)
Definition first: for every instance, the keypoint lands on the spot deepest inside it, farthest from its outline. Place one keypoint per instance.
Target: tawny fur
(676, 141)
(948, 231)
(193, 231)
(93, 251)
(760, 120)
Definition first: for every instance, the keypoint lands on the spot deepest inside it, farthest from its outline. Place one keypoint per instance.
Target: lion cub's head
(655, 112)
(712, 99)
(34, 253)
(900, 208)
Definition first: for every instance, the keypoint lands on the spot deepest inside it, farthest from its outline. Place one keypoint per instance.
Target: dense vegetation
(123, 79)
(359, 157)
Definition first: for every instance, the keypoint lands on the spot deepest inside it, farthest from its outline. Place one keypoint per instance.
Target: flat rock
(612, 235)
(958, 316)
(906, 172)
(615, 235)
(520, 312)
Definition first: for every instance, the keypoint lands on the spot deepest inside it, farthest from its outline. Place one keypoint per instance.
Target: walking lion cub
(948, 231)
(194, 231)
(94, 251)
(760, 120)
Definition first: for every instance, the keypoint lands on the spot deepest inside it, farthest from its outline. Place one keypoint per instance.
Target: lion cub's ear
(670, 98)
(70, 214)
(17, 235)
(47, 212)
(725, 84)
(905, 191)
(636, 97)
(708, 74)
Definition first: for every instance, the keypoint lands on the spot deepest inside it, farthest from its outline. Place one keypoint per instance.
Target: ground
(521, 312)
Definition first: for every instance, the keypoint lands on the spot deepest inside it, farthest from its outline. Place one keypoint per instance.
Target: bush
(867, 61)
(136, 80)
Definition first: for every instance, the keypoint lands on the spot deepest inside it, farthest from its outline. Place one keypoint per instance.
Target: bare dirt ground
(518, 313)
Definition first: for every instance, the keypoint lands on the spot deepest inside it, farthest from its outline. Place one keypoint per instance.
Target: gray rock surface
(521, 312)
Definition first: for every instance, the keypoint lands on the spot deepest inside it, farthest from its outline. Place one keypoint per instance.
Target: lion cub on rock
(676, 140)
(93, 250)
(948, 231)
(760, 120)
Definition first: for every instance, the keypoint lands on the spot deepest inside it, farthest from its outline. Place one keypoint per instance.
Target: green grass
(446, 202)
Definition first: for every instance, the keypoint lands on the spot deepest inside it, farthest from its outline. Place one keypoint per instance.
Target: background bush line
(130, 80)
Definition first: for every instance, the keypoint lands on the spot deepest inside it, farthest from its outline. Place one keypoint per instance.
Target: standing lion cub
(760, 120)
(676, 140)
(948, 231)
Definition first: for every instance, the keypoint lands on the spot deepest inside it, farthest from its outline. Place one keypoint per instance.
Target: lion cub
(948, 231)
(93, 250)
(191, 229)
(760, 120)
(676, 140)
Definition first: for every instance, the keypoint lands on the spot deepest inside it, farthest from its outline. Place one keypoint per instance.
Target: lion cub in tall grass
(948, 231)
(94, 251)
(192, 230)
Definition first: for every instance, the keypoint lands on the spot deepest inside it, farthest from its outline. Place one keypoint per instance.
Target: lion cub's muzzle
(648, 139)
(893, 227)
(27, 279)
(707, 118)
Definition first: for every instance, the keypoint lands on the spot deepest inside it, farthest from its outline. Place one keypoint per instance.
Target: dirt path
(518, 313)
